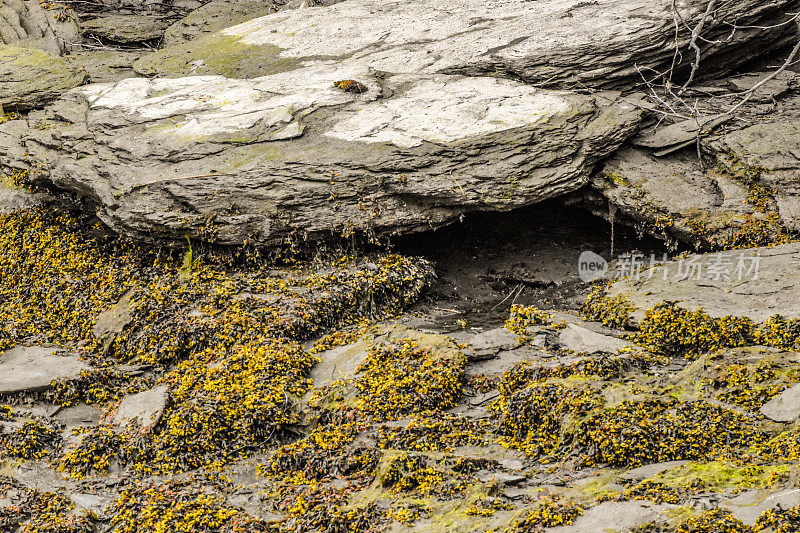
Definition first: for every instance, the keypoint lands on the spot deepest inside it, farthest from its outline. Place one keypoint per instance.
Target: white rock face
(561, 43)
(292, 153)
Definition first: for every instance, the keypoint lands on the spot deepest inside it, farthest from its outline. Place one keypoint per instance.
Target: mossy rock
(216, 54)
(31, 78)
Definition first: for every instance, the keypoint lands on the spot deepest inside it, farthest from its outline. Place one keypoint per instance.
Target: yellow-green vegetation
(43, 512)
(674, 331)
(226, 403)
(523, 317)
(551, 511)
(403, 376)
(555, 416)
(723, 475)
(614, 312)
(180, 507)
(750, 385)
(671, 330)
(435, 432)
(785, 445)
(779, 521)
(27, 437)
(93, 454)
(713, 521)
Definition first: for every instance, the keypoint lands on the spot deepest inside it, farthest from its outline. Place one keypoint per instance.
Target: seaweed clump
(402, 376)
(614, 312)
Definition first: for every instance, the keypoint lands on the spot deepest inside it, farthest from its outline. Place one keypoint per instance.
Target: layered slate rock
(31, 24)
(554, 43)
(235, 161)
(740, 190)
(214, 16)
(126, 29)
(31, 78)
(756, 283)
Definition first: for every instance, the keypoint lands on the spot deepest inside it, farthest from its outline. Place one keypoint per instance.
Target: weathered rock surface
(31, 78)
(556, 43)
(106, 66)
(142, 411)
(14, 198)
(757, 283)
(213, 16)
(32, 368)
(770, 153)
(581, 340)
(126, 29)
(615, 516)
(744, 191)
(785, 407)
(31, 24)
(647, 471)
(675, 196)
(749, 505)
(260, 160)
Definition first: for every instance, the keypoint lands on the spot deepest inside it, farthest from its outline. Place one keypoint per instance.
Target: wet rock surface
(33, 368)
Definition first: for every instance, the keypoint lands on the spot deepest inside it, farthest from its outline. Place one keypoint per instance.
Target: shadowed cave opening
(492, 260)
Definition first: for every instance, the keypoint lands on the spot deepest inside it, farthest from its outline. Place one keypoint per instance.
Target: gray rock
(291, 154)
(32, 24)
(213, 16)
(112, 322)
(32, 368)
(750, 505)
(615, 516)
(126, 29)
(104, 66)
(556, 43)
(337, 363)
(785, 407)
(648, 471)
(501, 478)
(31, 78)
(581, 340)
(770, 154)
(15, 198)
(761, 282)
(675, 197)
(142, 412)
(486, 344)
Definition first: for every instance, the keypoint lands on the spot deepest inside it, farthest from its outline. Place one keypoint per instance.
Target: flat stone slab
(581, 340)
(614, 516)
(558, 43)
(294, 153)
(338, 363)
(647, 471)
(750, 505)
(142, 411)
(126, 28)
(769, 283)
(32, 368)
(785, 407)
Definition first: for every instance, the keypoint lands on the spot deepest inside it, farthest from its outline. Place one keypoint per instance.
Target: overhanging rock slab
(259, 160)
